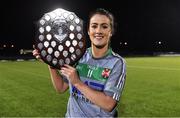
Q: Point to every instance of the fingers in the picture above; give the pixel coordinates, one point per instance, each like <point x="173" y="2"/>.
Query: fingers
<point x="38" y="57"/>
<point x="36" y="54"/>
<point x="67" y="70"/>
<point x="64" y="72"/>
<point x="70" y="73"/>
<point x="68" y="66"/>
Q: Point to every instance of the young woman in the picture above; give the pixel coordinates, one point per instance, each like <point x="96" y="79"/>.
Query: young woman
<point x="97" y="81"/>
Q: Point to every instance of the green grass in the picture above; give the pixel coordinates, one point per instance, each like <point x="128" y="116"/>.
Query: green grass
<point x="26" y="90"/>
<point x="152" y="89"/>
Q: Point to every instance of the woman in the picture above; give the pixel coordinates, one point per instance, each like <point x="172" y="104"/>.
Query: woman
<point x="97" y="81"/>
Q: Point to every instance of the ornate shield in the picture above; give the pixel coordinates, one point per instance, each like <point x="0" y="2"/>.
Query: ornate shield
<point x="60" y="39"/>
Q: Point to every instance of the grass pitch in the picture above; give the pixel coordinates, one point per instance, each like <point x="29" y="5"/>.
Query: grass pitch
<point x="26" y="90"/>
<point x="152" y="89"/>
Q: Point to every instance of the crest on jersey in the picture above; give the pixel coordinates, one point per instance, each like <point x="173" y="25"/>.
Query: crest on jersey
<point x="106" y="73"/>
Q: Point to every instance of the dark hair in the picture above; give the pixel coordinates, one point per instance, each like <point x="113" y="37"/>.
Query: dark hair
<point x="102" y="11"/>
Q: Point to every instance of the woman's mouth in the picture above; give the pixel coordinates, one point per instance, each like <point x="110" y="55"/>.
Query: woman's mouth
<point x="98" y="37"/>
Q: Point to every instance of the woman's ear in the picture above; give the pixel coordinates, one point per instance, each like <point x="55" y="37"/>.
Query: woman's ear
<point x="110" y="34"/>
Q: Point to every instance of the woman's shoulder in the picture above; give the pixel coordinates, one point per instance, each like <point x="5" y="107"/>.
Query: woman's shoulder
<point x="118" y="58"/>
<point x="117" y="55"/>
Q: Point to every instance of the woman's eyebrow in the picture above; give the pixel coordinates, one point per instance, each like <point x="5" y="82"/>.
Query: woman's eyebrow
<point x="94" y="23"/>
<point x="100" y="24"/>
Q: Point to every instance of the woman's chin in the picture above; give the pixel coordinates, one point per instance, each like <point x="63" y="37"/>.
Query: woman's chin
<point x="99" y="46"/>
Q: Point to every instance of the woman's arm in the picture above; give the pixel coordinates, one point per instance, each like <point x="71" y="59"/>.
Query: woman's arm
<point x="99" y="98"/>
<point x="57" y="81"/>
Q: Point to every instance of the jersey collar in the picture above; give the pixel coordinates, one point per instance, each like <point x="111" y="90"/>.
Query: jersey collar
<point x="109" y="52"/>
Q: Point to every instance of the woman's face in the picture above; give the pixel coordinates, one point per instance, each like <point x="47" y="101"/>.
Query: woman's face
<point x="99" y="30"/>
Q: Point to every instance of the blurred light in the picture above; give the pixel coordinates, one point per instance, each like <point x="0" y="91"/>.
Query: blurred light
<point x="21" y="51"/>
<point x="120" y="43"/>
<point x="25" y="51"/>
<point x="4" y="46"/>
<point x="159" y="42"/>
<point x="125" y="43"/>
<point x="12" y="46"/>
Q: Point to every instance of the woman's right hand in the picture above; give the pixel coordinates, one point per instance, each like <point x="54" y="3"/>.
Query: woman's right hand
<point x="36" y="55"/>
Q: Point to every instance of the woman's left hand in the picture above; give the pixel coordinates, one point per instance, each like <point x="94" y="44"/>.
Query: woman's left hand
<point x="70" y="73"/>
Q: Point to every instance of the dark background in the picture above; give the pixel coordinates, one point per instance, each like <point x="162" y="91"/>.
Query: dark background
<point x="142" y="26"/>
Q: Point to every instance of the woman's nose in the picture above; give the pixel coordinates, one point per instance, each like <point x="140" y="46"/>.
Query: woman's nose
<point x="98" y="30"/>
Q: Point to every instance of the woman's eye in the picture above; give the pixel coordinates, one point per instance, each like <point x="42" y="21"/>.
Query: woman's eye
<point x="93" y="26"/>
<point x="104" y="27"/>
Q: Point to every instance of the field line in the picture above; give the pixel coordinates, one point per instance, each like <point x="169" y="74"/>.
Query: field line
<point x="154" y="68"/>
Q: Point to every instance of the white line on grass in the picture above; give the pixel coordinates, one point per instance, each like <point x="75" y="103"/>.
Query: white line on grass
<point x="155" y="68"/>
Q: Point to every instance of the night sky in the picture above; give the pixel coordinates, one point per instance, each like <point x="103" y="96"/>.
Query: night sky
<point x="141" y="25"/>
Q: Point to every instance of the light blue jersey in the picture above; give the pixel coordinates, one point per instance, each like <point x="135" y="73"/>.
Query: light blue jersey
<point x="106" y="74"/>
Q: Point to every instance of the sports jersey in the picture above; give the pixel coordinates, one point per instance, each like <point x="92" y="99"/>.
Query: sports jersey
<point x="106" y="74"/>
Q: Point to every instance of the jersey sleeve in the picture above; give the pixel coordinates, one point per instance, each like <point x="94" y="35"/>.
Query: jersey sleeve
<point x="116" y="81"/>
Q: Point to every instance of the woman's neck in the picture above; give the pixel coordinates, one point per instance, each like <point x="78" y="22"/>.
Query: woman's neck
<point x="99" y="52"/>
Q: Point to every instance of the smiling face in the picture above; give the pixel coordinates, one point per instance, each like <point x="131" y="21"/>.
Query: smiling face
<point x="100" y="30"/>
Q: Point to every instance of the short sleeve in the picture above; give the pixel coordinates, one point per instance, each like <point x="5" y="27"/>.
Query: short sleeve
<point x="116" y="81"/>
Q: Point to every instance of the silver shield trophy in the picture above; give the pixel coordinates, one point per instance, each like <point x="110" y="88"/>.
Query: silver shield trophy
<point x="60" y="39"/>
